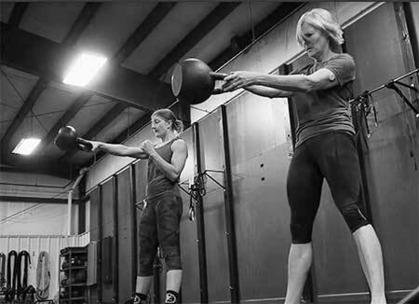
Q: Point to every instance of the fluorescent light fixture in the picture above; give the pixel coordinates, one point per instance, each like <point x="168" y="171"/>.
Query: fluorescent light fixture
<point x="83" y="69"/>
<point x="26" y="146"/>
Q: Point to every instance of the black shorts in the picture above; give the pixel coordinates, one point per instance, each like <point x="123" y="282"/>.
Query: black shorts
<point x="333" y="156"/>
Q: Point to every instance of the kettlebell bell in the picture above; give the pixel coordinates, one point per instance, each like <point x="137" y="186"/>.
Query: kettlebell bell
<point x="193" y="81"/>
<point x="67" y="140"/>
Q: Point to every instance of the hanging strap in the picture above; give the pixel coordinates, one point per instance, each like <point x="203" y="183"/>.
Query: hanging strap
<point x="42" y="276"/>
<point x="22" y="283"/>
<point x="11" y="275"/>
<point x="2" y="269"/>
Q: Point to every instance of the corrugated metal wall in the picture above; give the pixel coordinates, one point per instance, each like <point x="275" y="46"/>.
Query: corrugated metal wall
<point x="35" y="244"/>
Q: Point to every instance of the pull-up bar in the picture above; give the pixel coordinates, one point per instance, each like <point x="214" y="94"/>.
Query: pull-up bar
<point x="392" y="85"/>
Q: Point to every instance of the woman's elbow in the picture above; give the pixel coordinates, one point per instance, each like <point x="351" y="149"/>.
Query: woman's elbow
<point x="308" y="85"/>
<point x="174" y="176"/>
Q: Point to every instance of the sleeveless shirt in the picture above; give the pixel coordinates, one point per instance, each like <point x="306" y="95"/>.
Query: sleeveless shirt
<point x="157" y="181"/>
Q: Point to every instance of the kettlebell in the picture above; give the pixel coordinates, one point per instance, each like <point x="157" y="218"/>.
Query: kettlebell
<point x="193" y="81"/>
<point x="67" y="140"/>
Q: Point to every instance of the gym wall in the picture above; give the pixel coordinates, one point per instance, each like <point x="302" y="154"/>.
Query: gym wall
<point x="391" y="156"/>
<point x="20" y="216"/>
<point x="261" y="148"/>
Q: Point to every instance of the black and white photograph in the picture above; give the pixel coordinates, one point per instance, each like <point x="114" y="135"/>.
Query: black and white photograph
<point x="199" y="151"/>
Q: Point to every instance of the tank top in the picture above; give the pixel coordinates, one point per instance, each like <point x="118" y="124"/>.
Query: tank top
<point x="157" y="181"/>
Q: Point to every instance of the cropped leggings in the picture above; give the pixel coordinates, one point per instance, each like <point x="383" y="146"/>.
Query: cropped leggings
<point x="159" y="226"/>
<point x="332" y="156"/>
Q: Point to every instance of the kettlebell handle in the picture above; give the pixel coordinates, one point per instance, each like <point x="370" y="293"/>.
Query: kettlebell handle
<point x="218" y="76"/>
<point x="84" y="143"/>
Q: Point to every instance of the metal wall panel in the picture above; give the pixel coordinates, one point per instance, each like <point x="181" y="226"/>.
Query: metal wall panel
<point x="212" y="159"/>
<point x="414" y="7"/>
<point x="257" y="124"/>
<point x="260" y="144"/>
<point x="108" y="230"/>
<point x="125" y="236"/>
<point x="141" y="179"/>
<point x="188" y="234"/>
<point x="393" y="182"/>
<point x="140" y="189"/>
<point x="95" y="234"/>
<point x="94" y="214"/>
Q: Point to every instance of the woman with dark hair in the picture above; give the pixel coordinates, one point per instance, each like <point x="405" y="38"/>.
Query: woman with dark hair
<point x="160" y="220"/>
<point x="325" y="147"/>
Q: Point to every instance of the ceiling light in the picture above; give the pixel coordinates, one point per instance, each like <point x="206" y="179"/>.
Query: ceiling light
<point x="26" y="146"/>
<point x="83" y="69"/>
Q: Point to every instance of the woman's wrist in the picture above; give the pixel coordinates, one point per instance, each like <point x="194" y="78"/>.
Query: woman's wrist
<point x="152" y="154"/>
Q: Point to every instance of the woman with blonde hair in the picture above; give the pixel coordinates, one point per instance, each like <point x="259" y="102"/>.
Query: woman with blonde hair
<point x="325" y="147"/>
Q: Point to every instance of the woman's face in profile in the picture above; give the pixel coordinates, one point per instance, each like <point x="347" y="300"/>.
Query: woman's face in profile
<point x="315" y="42"/>
<point x="159" y="126"/>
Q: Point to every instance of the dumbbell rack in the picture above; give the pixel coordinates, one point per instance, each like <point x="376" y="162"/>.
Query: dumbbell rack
<point x="73" y="289"/>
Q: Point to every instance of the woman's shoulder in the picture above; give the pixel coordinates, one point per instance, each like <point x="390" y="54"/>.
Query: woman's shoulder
<point x="177" y="143"/>
<point x="342" y="56"/>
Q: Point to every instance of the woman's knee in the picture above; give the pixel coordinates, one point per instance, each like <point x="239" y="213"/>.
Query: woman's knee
<point x="354" y="217"/>
<point x="172" y="258"/>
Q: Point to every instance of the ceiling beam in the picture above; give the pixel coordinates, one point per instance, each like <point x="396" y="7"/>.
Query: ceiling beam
<point x="145" y="28"/>
<point x="38" y="165"/>
<point x="31" y="199"/>
<point x="105" y="120"/>
<point x="39" y="56"/>
<point x="18" y="11"/>
<point x="204" y="27"/>
<point x="83" y="19"/>
<point x="278" y="15"/>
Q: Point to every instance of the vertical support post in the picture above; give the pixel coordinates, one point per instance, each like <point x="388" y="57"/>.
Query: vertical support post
<point x="99" y="247"/>
<point x="134" y="259"/>
<point x="410" y="17"/>
<point x="203" y="278"/>
<point x="69" y="207"/>
<point x="404" y="36"/>
<point x="115" y="247"/>
<point x="82" y="205"/>
<point x="229" y="213"/>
